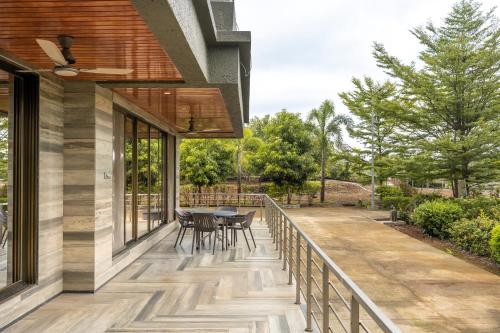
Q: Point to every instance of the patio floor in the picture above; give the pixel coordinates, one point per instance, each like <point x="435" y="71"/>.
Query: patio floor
<point x="168" y="290"/>
<point x="421" y="288"/>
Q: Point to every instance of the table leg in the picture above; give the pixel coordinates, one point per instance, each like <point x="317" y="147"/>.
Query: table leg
<point x="223" y="237"/>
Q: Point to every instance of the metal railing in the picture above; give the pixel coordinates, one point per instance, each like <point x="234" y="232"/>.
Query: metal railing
<point x="291" y="242"/>
<point x="191" y="199"/>
<point x="313" y="270"/>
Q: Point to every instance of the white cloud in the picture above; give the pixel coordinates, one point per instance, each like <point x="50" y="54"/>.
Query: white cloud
<point x="306" y="51"/>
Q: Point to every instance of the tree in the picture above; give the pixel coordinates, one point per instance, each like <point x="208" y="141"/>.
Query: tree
<point x="375" y="105"/>
<point x="257" y="125"/>
<point x="284" y="157"/>
<point x="453" y="99"/>
<point x="206" y="162"/>
<point x="327" y="128"/>
<point x="245" y="147"/>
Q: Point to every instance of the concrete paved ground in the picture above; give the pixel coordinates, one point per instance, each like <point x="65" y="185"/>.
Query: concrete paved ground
<point x="421" y="288"/>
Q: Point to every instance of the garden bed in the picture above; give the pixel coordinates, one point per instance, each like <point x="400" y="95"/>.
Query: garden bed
<point x="448" y="247"/>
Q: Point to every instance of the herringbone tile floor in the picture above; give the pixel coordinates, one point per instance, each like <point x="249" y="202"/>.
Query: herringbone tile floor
<point x="168" y="290"/>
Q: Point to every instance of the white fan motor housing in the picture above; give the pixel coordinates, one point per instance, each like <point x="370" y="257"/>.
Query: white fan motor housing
<point x="66" y="71"/>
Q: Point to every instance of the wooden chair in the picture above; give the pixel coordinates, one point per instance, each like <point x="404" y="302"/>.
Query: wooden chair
<point x="204" y="222"/>
<point x="241" y="222"/>
<point x="186" y="221"/>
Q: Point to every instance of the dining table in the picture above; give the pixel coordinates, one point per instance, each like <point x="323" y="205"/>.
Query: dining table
<point x="222" y="215"/>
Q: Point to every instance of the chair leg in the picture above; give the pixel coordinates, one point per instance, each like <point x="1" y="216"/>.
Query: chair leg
<point x="253" y="239"/>
<point x="2" y="241"/>
<point x="183" y="233"/>
<point x="192" y="245"/>
<point x="215" y="242"/>
<point x="178" y="235"/>
<point x="246" y="239"/>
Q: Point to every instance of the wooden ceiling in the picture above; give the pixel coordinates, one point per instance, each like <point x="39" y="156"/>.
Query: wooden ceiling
<point x="107" y="34"/>
<point x="111" y="33"/>
<point x="176" y="107"/>
<point x="4" y="92"/>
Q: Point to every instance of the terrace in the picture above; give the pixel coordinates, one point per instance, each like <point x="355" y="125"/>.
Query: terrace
<point x="167" y="289"/>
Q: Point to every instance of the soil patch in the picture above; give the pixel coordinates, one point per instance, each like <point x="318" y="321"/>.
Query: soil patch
<point x="448" y="247"/>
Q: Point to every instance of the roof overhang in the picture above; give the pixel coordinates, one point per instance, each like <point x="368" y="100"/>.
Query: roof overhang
<point x="173" y="44"/>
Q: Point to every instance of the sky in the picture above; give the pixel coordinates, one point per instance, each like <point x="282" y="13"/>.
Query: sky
<point x="306" y="51"/>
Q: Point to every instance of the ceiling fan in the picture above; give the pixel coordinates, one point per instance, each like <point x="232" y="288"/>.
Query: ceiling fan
<point x="191" y="130"/>
<point x="63" y="59"/>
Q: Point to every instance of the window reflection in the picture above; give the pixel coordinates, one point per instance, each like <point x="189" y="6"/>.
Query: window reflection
<point x="6" y="97"/>
<point x="142" y="178"/>
<point x="129" y="145"/>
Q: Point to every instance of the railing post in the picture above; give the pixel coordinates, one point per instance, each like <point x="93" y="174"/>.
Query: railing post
<point x="297" y="271"/>
<point x="326" y="299"/>
<point x="308" y="289"/>
<point x="260" y="202"/>
<point x="354" y="315"/>
<point x="285" y="243"/>
<point x="279" y="244"/>
<point x="290" y="254"/>
<point x="275" y="234"/>
<point x="272" y="224"/>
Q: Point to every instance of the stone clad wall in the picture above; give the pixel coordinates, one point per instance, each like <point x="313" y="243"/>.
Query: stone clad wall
<point x="104" y="185"/>
<point x="79" y="186"/>
<point x="88" y="137"/>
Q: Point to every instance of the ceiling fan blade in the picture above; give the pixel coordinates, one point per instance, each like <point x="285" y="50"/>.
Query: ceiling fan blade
<point x="208" y="130"/>
<point x="52" y="51"/>
<point x="34" y="70"/>
<point x="111" y="71"/>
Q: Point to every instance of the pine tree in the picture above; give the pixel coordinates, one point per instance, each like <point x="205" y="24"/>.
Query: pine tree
<point x="453" y="98"/>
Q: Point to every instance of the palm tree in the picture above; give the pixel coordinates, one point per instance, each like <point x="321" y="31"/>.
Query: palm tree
<point x="327" y="127"/>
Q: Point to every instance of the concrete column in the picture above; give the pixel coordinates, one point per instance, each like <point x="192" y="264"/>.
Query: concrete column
<point x="87" y="186"/>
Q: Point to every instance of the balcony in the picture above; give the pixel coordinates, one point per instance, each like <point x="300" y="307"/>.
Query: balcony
<point x="286" y="284"/>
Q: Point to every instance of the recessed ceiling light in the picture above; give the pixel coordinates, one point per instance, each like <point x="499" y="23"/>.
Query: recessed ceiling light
<point x="167" y="93"/>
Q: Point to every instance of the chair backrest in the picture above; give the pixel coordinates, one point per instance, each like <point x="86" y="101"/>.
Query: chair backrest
<point x="205" y="222"/>
<point x="249" y="218"/>
<point x="228" y="208"/>
<point x="236" y="219"/>
<point x="183" y="216"/>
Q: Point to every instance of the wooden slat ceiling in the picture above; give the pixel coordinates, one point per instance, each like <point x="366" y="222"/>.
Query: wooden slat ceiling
<point x="111" y="34"/>
<point x="4" y="92"/>
<point x="107" y="34"/>
<point x="176" y="106"/>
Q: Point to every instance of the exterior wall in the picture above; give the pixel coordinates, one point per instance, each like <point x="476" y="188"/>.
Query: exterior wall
<point x="50" y="242"/>
<point x="75" y="196"/>
<point x="88" y="190"/>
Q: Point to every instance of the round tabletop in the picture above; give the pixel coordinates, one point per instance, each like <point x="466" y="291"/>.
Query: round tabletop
<point x="217" y="213"/>
<point x="225" y="213"/>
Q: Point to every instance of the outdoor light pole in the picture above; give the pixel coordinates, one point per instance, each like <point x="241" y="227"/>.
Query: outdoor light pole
<point x="372" y="201"/>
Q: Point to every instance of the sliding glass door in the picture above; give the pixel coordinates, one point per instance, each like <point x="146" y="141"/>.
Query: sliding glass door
<point x="6" y="248"/>
<point x="139" y="179"/>
<point x="143" y="199"/>
<point x="18" y="180"/>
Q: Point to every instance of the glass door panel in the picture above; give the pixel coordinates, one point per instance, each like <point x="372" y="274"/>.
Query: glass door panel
<point x="142" y="178"/>
<point x="129" y="178"/>
<point x="6" y="163"/>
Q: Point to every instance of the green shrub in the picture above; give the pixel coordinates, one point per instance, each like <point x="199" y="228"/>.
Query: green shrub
<point x="388" y="191"/>
<point x="473" y="207"/>
<point x="399" y="202"/>
<point x="404" y="216"/>
<point x="495" y="243"/>
<point x="311" y="189"/>
<point x="436" y="217"/>
<point x="473" y="234"/>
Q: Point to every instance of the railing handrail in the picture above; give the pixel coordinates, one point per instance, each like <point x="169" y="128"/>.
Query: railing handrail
<point x="364" y="301"/>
